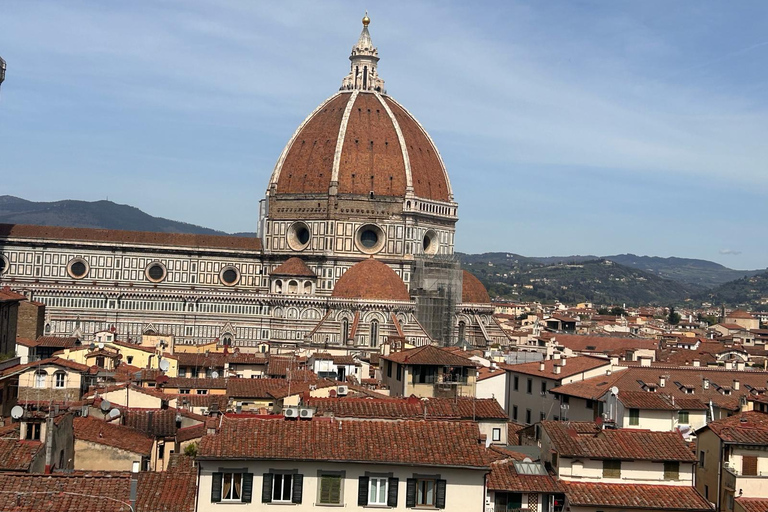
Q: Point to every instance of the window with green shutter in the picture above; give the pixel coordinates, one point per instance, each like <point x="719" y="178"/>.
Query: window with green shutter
<point x="611" y="469"/>
<point x="634" y="416"/>
<point x="330" y="487"/>
<point x="672" y="470"/>
<point x="683" y="418"/>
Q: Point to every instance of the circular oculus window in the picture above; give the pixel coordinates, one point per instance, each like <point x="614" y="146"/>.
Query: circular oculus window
<point x="155" y="272"/>
<point x="3" y="264"/>
<point x="370" y="238"/>
<point x="429" y="243"/>
<point x="78" y="268"/>
<point x="230" y="276"/>
<point x="298" y="236"/>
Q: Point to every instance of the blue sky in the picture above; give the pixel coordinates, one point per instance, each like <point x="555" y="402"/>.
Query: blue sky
<point x="567" y="127"/>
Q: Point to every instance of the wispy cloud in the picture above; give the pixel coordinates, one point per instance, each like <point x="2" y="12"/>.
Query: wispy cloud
<point x="729" y="252"/>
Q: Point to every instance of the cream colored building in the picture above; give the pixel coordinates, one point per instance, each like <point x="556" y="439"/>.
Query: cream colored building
<point x="428" y="372"/>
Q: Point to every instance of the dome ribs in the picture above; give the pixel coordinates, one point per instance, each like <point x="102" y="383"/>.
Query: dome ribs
<point x="430" y="180"/>
<point x="308" y="164"/>
<point x="370" y="161"/>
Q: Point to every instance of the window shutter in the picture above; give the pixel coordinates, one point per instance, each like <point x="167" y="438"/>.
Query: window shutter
<point x="216" y="487"/>
<point x="440" y="494"/>
<point x="334" y="483"/>
<point x="325" y="490"/>
<point x="247" y="487"/>
<point x="362" y="491"/>
<point x="749" y="465"/>
<point x="392" y="492"/>
<point x="266" y="488"/>
<point x="410" y="493"/>
<point x="298" y="487"/>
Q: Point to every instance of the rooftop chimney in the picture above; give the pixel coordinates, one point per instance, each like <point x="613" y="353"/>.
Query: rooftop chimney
<point x="740" y="366"/>
<point x="706" y="383"/>
<point x="735" y="385"/>
<point x="557" y="369"/>
<point x="662" y="381"/>
<point x="696" y="363"/>
<point x="541" y="366"/>
<point x="645" y="361"/>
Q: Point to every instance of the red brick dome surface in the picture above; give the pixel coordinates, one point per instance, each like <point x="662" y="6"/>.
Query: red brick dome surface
<point x="373" y="280"/>
<point x="293" y="267"/>
<point x="473" y="291"/>
<point x="381" y="148"/>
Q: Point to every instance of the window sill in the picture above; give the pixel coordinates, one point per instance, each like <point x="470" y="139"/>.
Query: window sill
<point x="329" y="504"/>
<point x="378" y="506"/>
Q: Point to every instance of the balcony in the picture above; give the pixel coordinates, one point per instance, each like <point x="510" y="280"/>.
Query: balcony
<point x="754" y="486"/>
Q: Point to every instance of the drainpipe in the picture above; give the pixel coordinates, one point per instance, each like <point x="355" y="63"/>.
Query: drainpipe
<point x="134" y="483"/>
<point x="49" y="444"/>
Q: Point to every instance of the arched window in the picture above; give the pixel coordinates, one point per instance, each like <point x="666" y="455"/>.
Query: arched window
<point x="226" y="340"/>
<point x="462" y="331"/>
<point x="293" y="287"/>
<point x="374" y="333"/>
<point x="40" y="377"/>
<point x="307" y="287"/>
<point x="278" y="286"/>
<point x="344" y="330"/>
<point x="59" y="379"/>
<point x="365" y="78"/>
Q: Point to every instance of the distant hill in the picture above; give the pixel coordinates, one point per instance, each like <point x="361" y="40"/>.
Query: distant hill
<point x="686" y="270"/>
<point x="748" y="292"/>
<point x="95" y="214"/>
<point x="598" y="280"/>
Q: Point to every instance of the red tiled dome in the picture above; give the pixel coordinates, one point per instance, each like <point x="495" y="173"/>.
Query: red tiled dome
<point x="373" y="280"/>
<point x="370" y="130"/>
<point x="473" y="291"/>
<point x="293" y="267"/>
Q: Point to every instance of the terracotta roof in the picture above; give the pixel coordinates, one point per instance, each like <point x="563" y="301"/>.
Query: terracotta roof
<point x="636" y="496"/>
<point x="513" y="432"/>
<point x="428" y="355"/>
<point x="371" y="158"/>
<point x="56" y="341"/>
<point x="648" y="401"/>
<point x="193" y="383"/>
<point x="190" y="433"/>
<point x="573" y="366"/>
<point x="371" y="279"/>
<point x="486" y="372"/>
<point x="604" y="344"/>
<point x="61" y="492"/>
<point x="419" y="443"/>
<point x="56" y="361"/>
<point x="279" y="366"/>
<point x="465" y="408"/>
<point x="218" y="359"/>
<point x="172" y="490"/>
<point x="8" y="295"/>
<point x="753" y="504"/>
<point x="116" y="236"/>
<point x="293" y="267"/>
<point x="472" y="290"/>
<point x="586" y="439"/>
<point x="17" y="455"/>
<point x="111" y="434"/>
<point x="733" y="327"/>
<point x="504" y="477"/>
<point x="155" y="422"/>
<point x="746" y="428"/>
<point x="740" y="313"/>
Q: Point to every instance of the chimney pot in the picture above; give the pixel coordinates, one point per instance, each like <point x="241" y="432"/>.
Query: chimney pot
<point x="696" y="363"/>
<point x="541" y="366"/>
<point x="735" y="385"/>
<point x="557" y="370"/>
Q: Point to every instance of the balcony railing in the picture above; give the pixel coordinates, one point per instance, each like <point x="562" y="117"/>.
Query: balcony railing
<point x="731" y="473"/>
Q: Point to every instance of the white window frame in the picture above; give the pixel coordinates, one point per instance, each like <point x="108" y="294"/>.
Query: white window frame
<point x="232" y="476"/>
<point x="282" y="477"/>
<point x="40" y="377"/>
<point x="496" y="434"/>
<point x="59" y="376"/>
<point x="381" y="480"/>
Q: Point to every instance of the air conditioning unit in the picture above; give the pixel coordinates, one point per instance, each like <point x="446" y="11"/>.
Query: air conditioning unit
<point x="306" y="412"/>
<point x="342" y="390"/>
<point x="291" y="412"/>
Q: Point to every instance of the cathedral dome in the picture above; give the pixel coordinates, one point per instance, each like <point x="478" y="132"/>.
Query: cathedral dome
<point x="360" y="142"/>
<point x="472" y="290"/>
<point x="371" y="280"/>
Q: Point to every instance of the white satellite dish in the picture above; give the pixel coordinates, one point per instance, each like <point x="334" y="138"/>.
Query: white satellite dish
<point x="105" y="405"/>
<point x="215" y="375"/>
<point x="614" y="390"/>
<point x="17" y="412"/>
<point x="114" y="413"/>
<point x="101" y="344"/>
<point x="164" y="365"/>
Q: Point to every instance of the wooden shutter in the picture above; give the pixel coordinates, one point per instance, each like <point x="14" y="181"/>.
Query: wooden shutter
<point x="410" y="493"/>
<point x="334" y="482"/>
<point x="392" y="492"/>
<point x="440" y="494"/>
<point x="298" y="487"/>
<point x="671" y="471"/>
<point x="216" y="487"/>
<point x="247" y="496"/>
<point x="266" y="488"/>
<point x="362" y="491"/>
<point x="749" y="465"/>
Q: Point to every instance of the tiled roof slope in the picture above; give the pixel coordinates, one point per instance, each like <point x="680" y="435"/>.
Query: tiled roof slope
<point x="745" y="428"/>
<point x="428" y="355"/>
<point x="102" y="492"/>
<point x="410" y="408"/>
<point x="632" y="496"/>
<point x="116" y="236"/>
<point x="16" y="455"/>
<point x="573" y="366"/>
<point x="472" y="290"/>
<point x="603" y="344"/>
<point x="504" y="477"/>
<point x="56" y="361"/>
<point x="753" y="504"/>
<point x="8" y="295"/>
<point x="109" y="434"/>
<point x="586" y="439"/>
<point x="173" y="490"/>
<point x="371" y="279"/>
<point x="423" y="443"/>
<point x="632" y="379"/>
<point x="293" y="267"/>
<point x="658" y="401"/>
